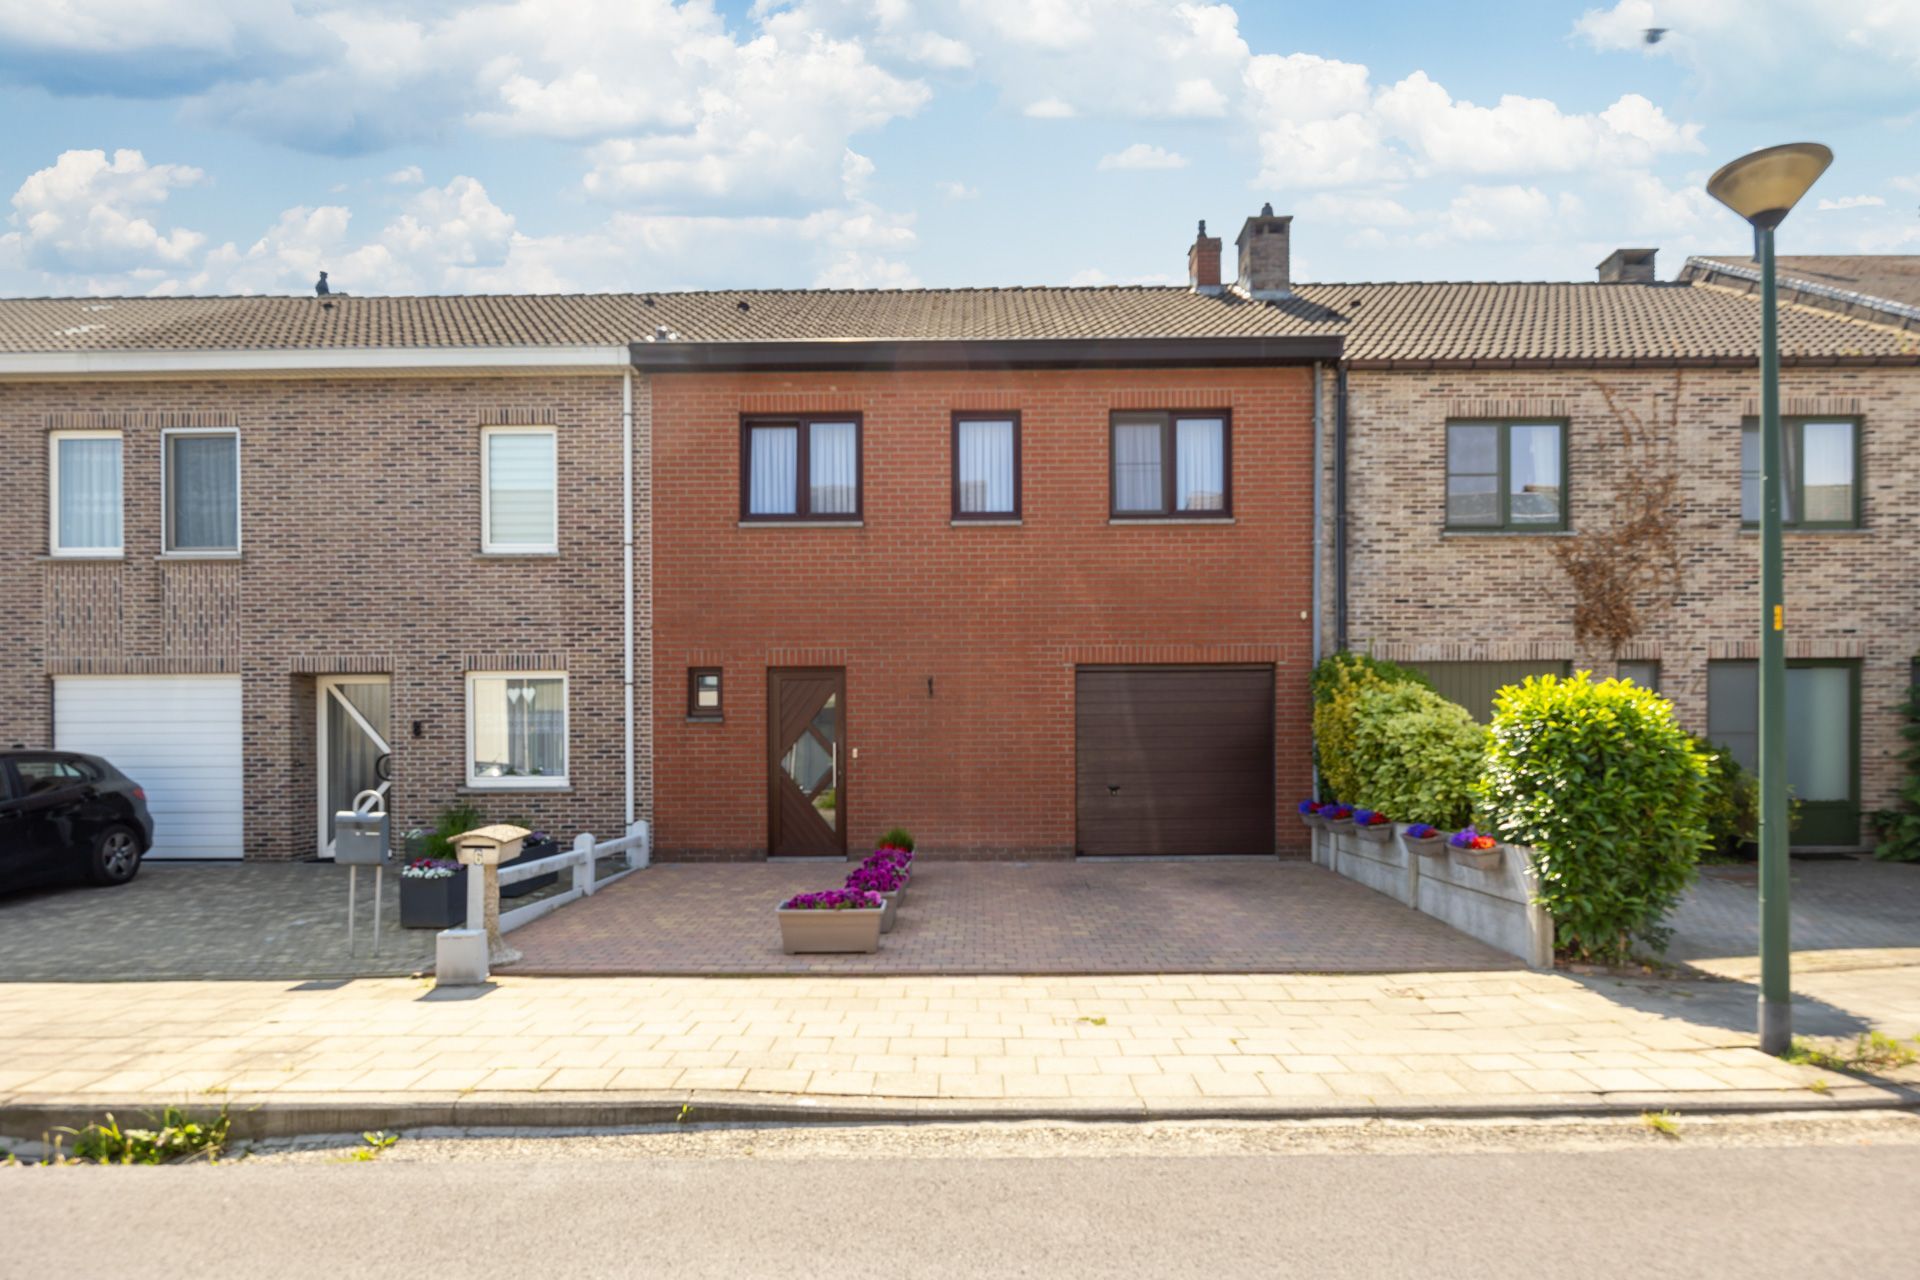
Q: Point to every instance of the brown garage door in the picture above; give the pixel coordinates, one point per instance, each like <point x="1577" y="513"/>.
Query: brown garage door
<point x="1174" y="760"/>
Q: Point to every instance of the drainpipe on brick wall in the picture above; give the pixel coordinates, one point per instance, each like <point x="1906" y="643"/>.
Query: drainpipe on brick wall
<point x="626" y="569"/>
<point x="1340" y="506"/>
<point x="1319" y="482"/>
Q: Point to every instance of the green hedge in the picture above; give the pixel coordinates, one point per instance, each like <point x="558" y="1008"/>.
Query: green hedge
<point x="1417" y="755"/>
<point x="1610" y="793"/>
<point x="1337" y="683"/>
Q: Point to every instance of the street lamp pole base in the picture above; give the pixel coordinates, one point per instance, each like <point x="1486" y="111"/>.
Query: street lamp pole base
<point x="1776" y="1026"/>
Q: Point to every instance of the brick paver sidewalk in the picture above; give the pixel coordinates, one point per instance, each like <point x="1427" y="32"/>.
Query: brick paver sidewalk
<point x="1139" y="1044"/>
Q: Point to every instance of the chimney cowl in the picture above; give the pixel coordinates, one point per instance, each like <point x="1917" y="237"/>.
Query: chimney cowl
<point x="1266" y="265"/>
<point x="1628" y="266"/>
<point x="1203" y="262"/>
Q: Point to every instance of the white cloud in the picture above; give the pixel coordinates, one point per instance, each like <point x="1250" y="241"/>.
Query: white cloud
<point x="411" y="176"/>
<point x="957" y="191"/>
<point x="87" y="215"/>
<point x="1906" y="184"/>
<point x="1143" y="155"/>
<point x="1765" y="53"/>
<point x="1850" y="202"/>
<point x="1048" y="109"/>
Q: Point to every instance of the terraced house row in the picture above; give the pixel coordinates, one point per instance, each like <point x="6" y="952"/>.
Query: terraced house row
<point x="1036" y="572"/>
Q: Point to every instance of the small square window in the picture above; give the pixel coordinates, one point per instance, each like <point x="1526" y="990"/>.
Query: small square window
<point x="1506" y="476"/>
<point x="516" y="729"/>
<point x="1818" y="487"/>
<point x="1171" y="465"/>
<point x="703" y="693"/>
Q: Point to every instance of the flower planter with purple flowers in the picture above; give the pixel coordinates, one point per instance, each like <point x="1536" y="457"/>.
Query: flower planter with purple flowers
<point x="886" y="878"/>
<point x="1310" y="813"/>
<point x="1471" y="849"/>
<point x="1371" y="826"/>
<point x="1426" y="840"/>
<point x="1337" y="817"/>
<point x="835" y="921"/>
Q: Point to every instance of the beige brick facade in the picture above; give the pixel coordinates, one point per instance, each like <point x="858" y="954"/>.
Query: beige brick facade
<point x="360" y="553"/>
<point x="1418" y="592"/>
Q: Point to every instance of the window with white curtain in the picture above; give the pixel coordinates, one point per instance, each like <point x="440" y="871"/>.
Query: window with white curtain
<point x="801" y="469"/>
<point x="519" y="475"/>
<point x="1818" y="489"/>
<point x="84" y="471"/>
<point x="201" y="477"/>
<point x="986" y="466"/>
<point x="1171" y="464"/>
<point x="516" y="729"/>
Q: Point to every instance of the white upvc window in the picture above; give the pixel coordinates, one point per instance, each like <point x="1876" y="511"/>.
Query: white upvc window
<point x="516" y="729"/>
<point x="83" y="472"/>
<point x="200" y="491"/>
<point x="520" y="501"/>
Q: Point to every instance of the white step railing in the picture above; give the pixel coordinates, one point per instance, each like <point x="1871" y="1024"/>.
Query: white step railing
<point x="581" y="860"/>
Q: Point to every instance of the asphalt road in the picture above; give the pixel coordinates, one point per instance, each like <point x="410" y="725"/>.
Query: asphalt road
<point x="1160" y="1201"/>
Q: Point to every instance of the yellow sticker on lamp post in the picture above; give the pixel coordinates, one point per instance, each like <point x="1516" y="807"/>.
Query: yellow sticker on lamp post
<point x="1779" y="617"/>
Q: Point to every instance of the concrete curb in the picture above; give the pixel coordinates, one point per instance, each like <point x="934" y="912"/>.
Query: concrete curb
<point x="284" y="1116"/>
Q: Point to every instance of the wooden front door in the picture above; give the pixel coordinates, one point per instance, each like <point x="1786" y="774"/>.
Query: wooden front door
<point x="806" y="762"/>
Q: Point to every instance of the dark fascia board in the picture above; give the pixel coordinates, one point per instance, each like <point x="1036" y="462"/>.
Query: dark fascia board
<point x="989" y="353"/>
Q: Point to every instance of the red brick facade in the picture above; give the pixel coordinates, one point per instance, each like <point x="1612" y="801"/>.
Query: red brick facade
<point x="979" y="763"/>
<point x="360" y="553"/>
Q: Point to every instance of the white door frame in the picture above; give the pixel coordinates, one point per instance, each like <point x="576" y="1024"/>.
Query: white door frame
<point x="327" y="687"/>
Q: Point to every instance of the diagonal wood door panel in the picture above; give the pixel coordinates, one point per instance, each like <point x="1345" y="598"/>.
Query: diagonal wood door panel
<point x="806" y="762"/>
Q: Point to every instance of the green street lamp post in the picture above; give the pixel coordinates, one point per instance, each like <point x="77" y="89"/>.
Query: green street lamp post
<point x="1763" y="188"/>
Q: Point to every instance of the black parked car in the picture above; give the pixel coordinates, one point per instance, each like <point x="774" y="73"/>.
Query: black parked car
<point x="64" y="815"/>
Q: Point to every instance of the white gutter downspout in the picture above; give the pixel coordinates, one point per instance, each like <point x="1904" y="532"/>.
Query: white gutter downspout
<point x="626" y="568"/>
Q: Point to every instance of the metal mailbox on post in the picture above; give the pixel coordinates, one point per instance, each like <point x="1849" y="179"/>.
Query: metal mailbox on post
<point x="360" y="840"/>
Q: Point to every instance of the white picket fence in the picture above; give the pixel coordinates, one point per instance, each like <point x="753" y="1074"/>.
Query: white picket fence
<point x="581" y="861"/>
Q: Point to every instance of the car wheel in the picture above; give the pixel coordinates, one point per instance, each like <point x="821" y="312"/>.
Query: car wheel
<point x="116" y="856"/>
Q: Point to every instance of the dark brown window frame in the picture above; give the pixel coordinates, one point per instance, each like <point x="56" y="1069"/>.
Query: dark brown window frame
<point x="694" y="710"/>
<point x="1169" y="454"/>
<point x="802" y="497"/>
<point x="984" y="415"/>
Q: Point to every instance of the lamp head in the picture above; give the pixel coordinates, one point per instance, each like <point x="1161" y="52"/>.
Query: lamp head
<point x="1764" y="186"/>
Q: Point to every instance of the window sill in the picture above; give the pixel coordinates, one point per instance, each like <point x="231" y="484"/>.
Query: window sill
<point x="1817" y="531"/>
<point x="1506" y="533"/>
<point x="82" y="557"/>
<point x="517" y="788"/>
<point x="516" y="555"/>
<point x="188" y="557"/>
<point x="706" y="720"/>
<point x="1153" y="520"/>
<point x="803" y="524"/>
<point x="997" y="522"/>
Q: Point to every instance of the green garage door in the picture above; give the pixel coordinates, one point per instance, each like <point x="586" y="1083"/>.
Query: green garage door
<point x="1473" y="684"/>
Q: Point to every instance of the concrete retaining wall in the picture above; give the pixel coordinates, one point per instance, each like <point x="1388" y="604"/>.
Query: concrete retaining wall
<point x="1494" y="906"/>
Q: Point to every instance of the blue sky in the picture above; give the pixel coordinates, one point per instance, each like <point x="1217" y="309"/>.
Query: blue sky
<point x="222" y="146"/>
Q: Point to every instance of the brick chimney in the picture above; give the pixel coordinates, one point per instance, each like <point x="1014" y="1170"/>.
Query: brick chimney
<point x="1628" y="266"/>
<point x="1203" y="262"/>
<point x="1265" y="255"/>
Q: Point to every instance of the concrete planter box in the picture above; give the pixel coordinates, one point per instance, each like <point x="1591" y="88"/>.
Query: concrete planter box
<point x="1379" y="834"/>
<point x="1311" y="821"/>
<point x="890" y="914"/>
<point x="1479" y="859"/>
<point x="1337" y="825"/>
<point x="1434" y="846"/>
<point x="434" y="904"/>
<point x="830" y="932"/>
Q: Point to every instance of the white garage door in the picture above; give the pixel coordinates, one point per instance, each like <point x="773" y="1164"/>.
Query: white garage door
<point x="178" y="737"/>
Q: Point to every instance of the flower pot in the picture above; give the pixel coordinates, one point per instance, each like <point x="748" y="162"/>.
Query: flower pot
<point x="1434" y="846"/>
<point x="830" y="932"/>
<point x="434" y="904"/>
<point x="1379" y="833"/>
<point x="1311" y="820"/>
<point x="1337" y="824"/>
<point x="1479" y="859"/>
<point x="531" y="852"/>
<point x="890" y="914"/>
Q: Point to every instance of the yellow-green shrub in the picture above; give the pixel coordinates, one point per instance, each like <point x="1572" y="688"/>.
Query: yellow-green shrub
<point x="1337" y="683"/>
<point x="1416" y="754"/>
<point x="1609" y="791"/>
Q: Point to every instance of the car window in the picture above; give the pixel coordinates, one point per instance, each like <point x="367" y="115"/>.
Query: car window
<point x="45" y="774"/>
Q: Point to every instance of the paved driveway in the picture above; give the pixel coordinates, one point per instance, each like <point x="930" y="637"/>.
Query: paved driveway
<point x="1229" y="915"/>
<point x="1847" y="913"/>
